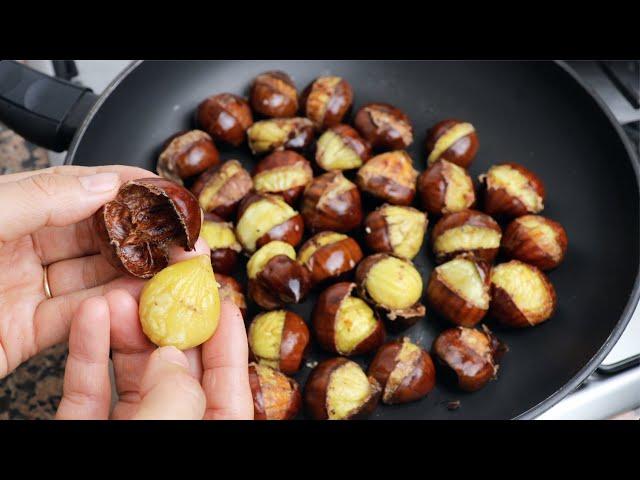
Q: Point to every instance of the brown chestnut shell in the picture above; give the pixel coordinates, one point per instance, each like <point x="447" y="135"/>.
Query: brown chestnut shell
<point x="281" y="281"/>
<point x="389" y="176"/>
<point x="378" y="232"/>
<point x="332" y="261"/>
<point x="282" y="160"/>
<point x="186" y="154"/>
<point x="236" y="184"/>
<point x="280" y="401"/>
<point x="223" y="260"/>
<point x="225" y="117"/>
<point x="274" y="94"/>
<point x="384" y="126"/>
<point x="351" y="139"/>
<point x="530" y="245"/>
<point x="433" y="187"/>
<point x="462" y="149"/>
<point x="326" y="100"/>
<point x="499" y="203"/>
<point x="275" y="134"/>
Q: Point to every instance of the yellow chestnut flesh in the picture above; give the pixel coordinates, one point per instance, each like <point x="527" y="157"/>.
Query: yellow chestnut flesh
<point x="321" y="241"/>
<point x="542" y="234"/>
<point x="462" y="276"/>
<point x="260" y="217"/>
<point x="516" y="185"/>
<point x="525" y="286"/>
<point x="459" y="194"/>
<point x="394" y="283"/>
<point x="265" y="336"/>
<point x="348" y="390"/>
<point x="466" y="237"/>
<point x="207" y="197"/>
<point x="355" y="322"/>
<point x="259" y="259"/>
<point x="331" y="145"/>
<point x="406" y="228"/>
<point x="406" y="360"/>
<point x="283" y="178"/>
<point x="450" y="137"/>
<point x="219" y="235"/>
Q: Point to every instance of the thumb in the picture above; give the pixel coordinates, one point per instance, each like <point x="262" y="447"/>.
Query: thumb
<point x="51" y="199"/>
<point x="168" y="391"/>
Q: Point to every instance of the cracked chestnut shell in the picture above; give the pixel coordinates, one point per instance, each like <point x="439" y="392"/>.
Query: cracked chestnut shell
<point x="384" y="126"/>
<point x="222" y="241"/>
<point x="285" y="173"/>
<point x="230" y="289"/>
<point x="342" y="148"/>
<point x="445" y="187"/>
<point x="452" y="140"/>
<point x="266" y="136"/>
<point x="469" y="356"/>
<point x="187" y="154"/>
<point x="510" y="190"/>
<point x="225" y="117"/>
<point x="404" y="370"/>
<point x="338" y="389"/>
<point x="395" y="229"/>
<point x="345" y="324"/>
<point x="329" y="255"/>
<point x="331" y="202"/>
<point x="275" y="396"/>
<point x="326" y="101"/>
<point x="273" y="94"/>
<point x="536" y="240"/>
<point x="137" y="227"/>
<point x="390" y="177"/>
<point x="220" y="189"/>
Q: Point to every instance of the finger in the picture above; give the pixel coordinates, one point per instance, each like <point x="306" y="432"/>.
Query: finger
<point x="87" y="388"/>
<point x="168" y="391"/>
<point x="53" y="244"/>
<point x="178" y="254"/>
<point x="126" y="172"/>
<point x="225" y="361"/>
<point x="68" y="276"/>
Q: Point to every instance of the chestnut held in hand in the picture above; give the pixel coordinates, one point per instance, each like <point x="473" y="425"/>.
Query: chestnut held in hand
<point x="338" y="389"/>
<point x="452" y="140"/>
<point x="445" y="187"/>
<point x="389" y="176"/>
<point x="345" y="324"/>
<point x="222" y="241"/>
<point x="275" y="396"/>
<point x="326" y="101"/>
<point x="230" y="289"/>
<point x="342" y="148"/>
<point x="384" y="126"/>
<point x="329" y="255"/>
<point x="280" y="134"/>
<point x="284" y="173"/>
<point x="536" y="240"/>
<point x="137" y="227"/>
<point x="273" y="94"/>
<point x="225" y="117"/>
<point x="186" y="154"/>
<point x="510" y="190"/>
<point x="395" y="229"/>
<point x="220" y="189"/>
<point x="471" y="356"/>
<point x="404" y="370"/>
<point x="279" y="339"/>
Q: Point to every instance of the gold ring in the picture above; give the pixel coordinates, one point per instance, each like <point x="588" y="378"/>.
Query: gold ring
<point x="47" y="289"/>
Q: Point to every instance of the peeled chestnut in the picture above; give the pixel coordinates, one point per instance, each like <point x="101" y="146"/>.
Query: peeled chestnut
<point x="331" y="202"/>
<point x="220" y="189"/>
<point x="510" y="190"/>
<point x="445" y="187"/>
<point x="452" y="140"/>
<point x="326" y="101"/>
<point x="468" y="231"/>
<point x="389" y="176"/>
<point x="186" y="154"/>
<point x="285" y="173"/>
<point x="230" y="289"/>
<point x="459" y="290"/>
<point x="338" y="389"/>
<point x="469" y="355"/>
<point x="225" y="117"/>
<point x="521" y="295"/>
<point x="263" y="218"/>
<point x="222" y="241"/>
<point x="329" y="255"/>
<point x="137" y="227"/>
<point x="384" y="126"/>
<point x="280" y="134"/>
<point x="404" y="370"/>
<point x="279" y="339"/>
<point x="342" y="148"/>
<point x="345" y="324"/>
<point x="275" y="396"/>
<point x="536" y="240"/>
<point x="275" y="277"/>
<point x="393" y="285"/>
<point x="395" y="229"/>
<point x="273" y="94"/>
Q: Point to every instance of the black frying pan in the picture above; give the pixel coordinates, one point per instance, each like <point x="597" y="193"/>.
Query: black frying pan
<point x="535" y="113"/>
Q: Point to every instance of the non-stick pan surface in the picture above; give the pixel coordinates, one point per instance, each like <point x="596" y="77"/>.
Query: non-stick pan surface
<point x="533" y="113"/>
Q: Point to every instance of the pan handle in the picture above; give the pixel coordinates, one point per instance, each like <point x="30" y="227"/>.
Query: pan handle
<point x="45" y="110"/>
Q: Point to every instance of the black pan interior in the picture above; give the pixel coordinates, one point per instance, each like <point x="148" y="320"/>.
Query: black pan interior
<point x="533" y="113"/>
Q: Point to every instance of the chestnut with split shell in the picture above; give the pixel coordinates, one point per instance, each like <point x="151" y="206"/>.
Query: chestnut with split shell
<point x="284" y="173"/>
<point x="225" y="117"/>
<point x="384" y="126"/>
<point x="445" y="187"/>
<point x="395" y="229"/>
<point x="187" y="154"/>
<point x="536" y="240"/>
<point x="390" y="177"/>
<point x="329" y="255"/>
<point x="221" y="238"/>
<point x="342" y="148"/>
<point x="275" y="396"/>
<point x="326" y="101"/>
<point x="220" y="189"/>
<point x="230" y="289"/>
<point x="267" y="136"/>
<point x="510" y="190"/>
<point x="452" y="140"/>
<point x="273" y="94"/>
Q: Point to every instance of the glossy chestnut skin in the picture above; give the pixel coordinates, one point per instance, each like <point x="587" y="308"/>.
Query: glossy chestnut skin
<point x="275" y="396"/>
<point x="223" y="260"/>
<point x="460" y="145"/>
<point x="225" y="117"/>
<point x="469" y="355"/>
<point x="331" y="261"/>
<point x="384" y="126"/>
<point x="390" y="177"/>
<point x="274" y="134"/>
<point x="281" y="161"/>
<point x="499" y="203"/>
<point x="417" y="374"/>
<point x="137" y="227"/>
<point x="273" y="94"/>
<point x="230" y="289"/>
<point x="322" y="209"/>
<point x="379" y="232"/>
<point x="542" y="248"/>
<point x="236" y="185"/>
<point x="326" y="101"/>
<point x="324" y="318"/>
<point x="435" y="185"/>
<point x="350" y="139"/>
<point x="186" y="154"/>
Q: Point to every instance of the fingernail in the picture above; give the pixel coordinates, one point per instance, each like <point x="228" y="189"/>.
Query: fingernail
<point x="173" y="355"/>
<point x="100" y="182"/>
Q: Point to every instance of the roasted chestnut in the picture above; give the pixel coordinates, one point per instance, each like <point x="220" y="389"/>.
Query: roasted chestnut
<point x="384" y="126"/>
<point x="404" y="370"/>
<point x="220" y="189"/>
<point x="536" y="240"/>
<point x="445" y="187"/>
<point x="394" y="229"/>
<point x="468" y="231"/>
<point x="275" y="277"/>
<point x="510" y="190"/>
<point x="338" y="389"/>
<point x="331" y="202"/>
<point x="186" y="154"/>
<point x="137" y="227"/>
<point x="225" y="117"/>
<point x="452" y="140"/>
<point x="469" y="355"/>
<point x="273" y="94"/>
<point x="459" y="290"/>
<point x="222" y="241"/>
<point x="230" y="289"/>
<point x="275" y="396"/>
<point x="329" y="255"/>
<point x="389" y="176"/>
<point x="393" y="285"/>
<point x="521" y="295"/>
<point x="342" y="148"/>
<point x="279" y="339"/>
<point x="285" y="173"/>
<point x="263" y="218"/>
<point x="326" y="101"/>
<point x="345" y="324"/>
<point x="280" y="134"/>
